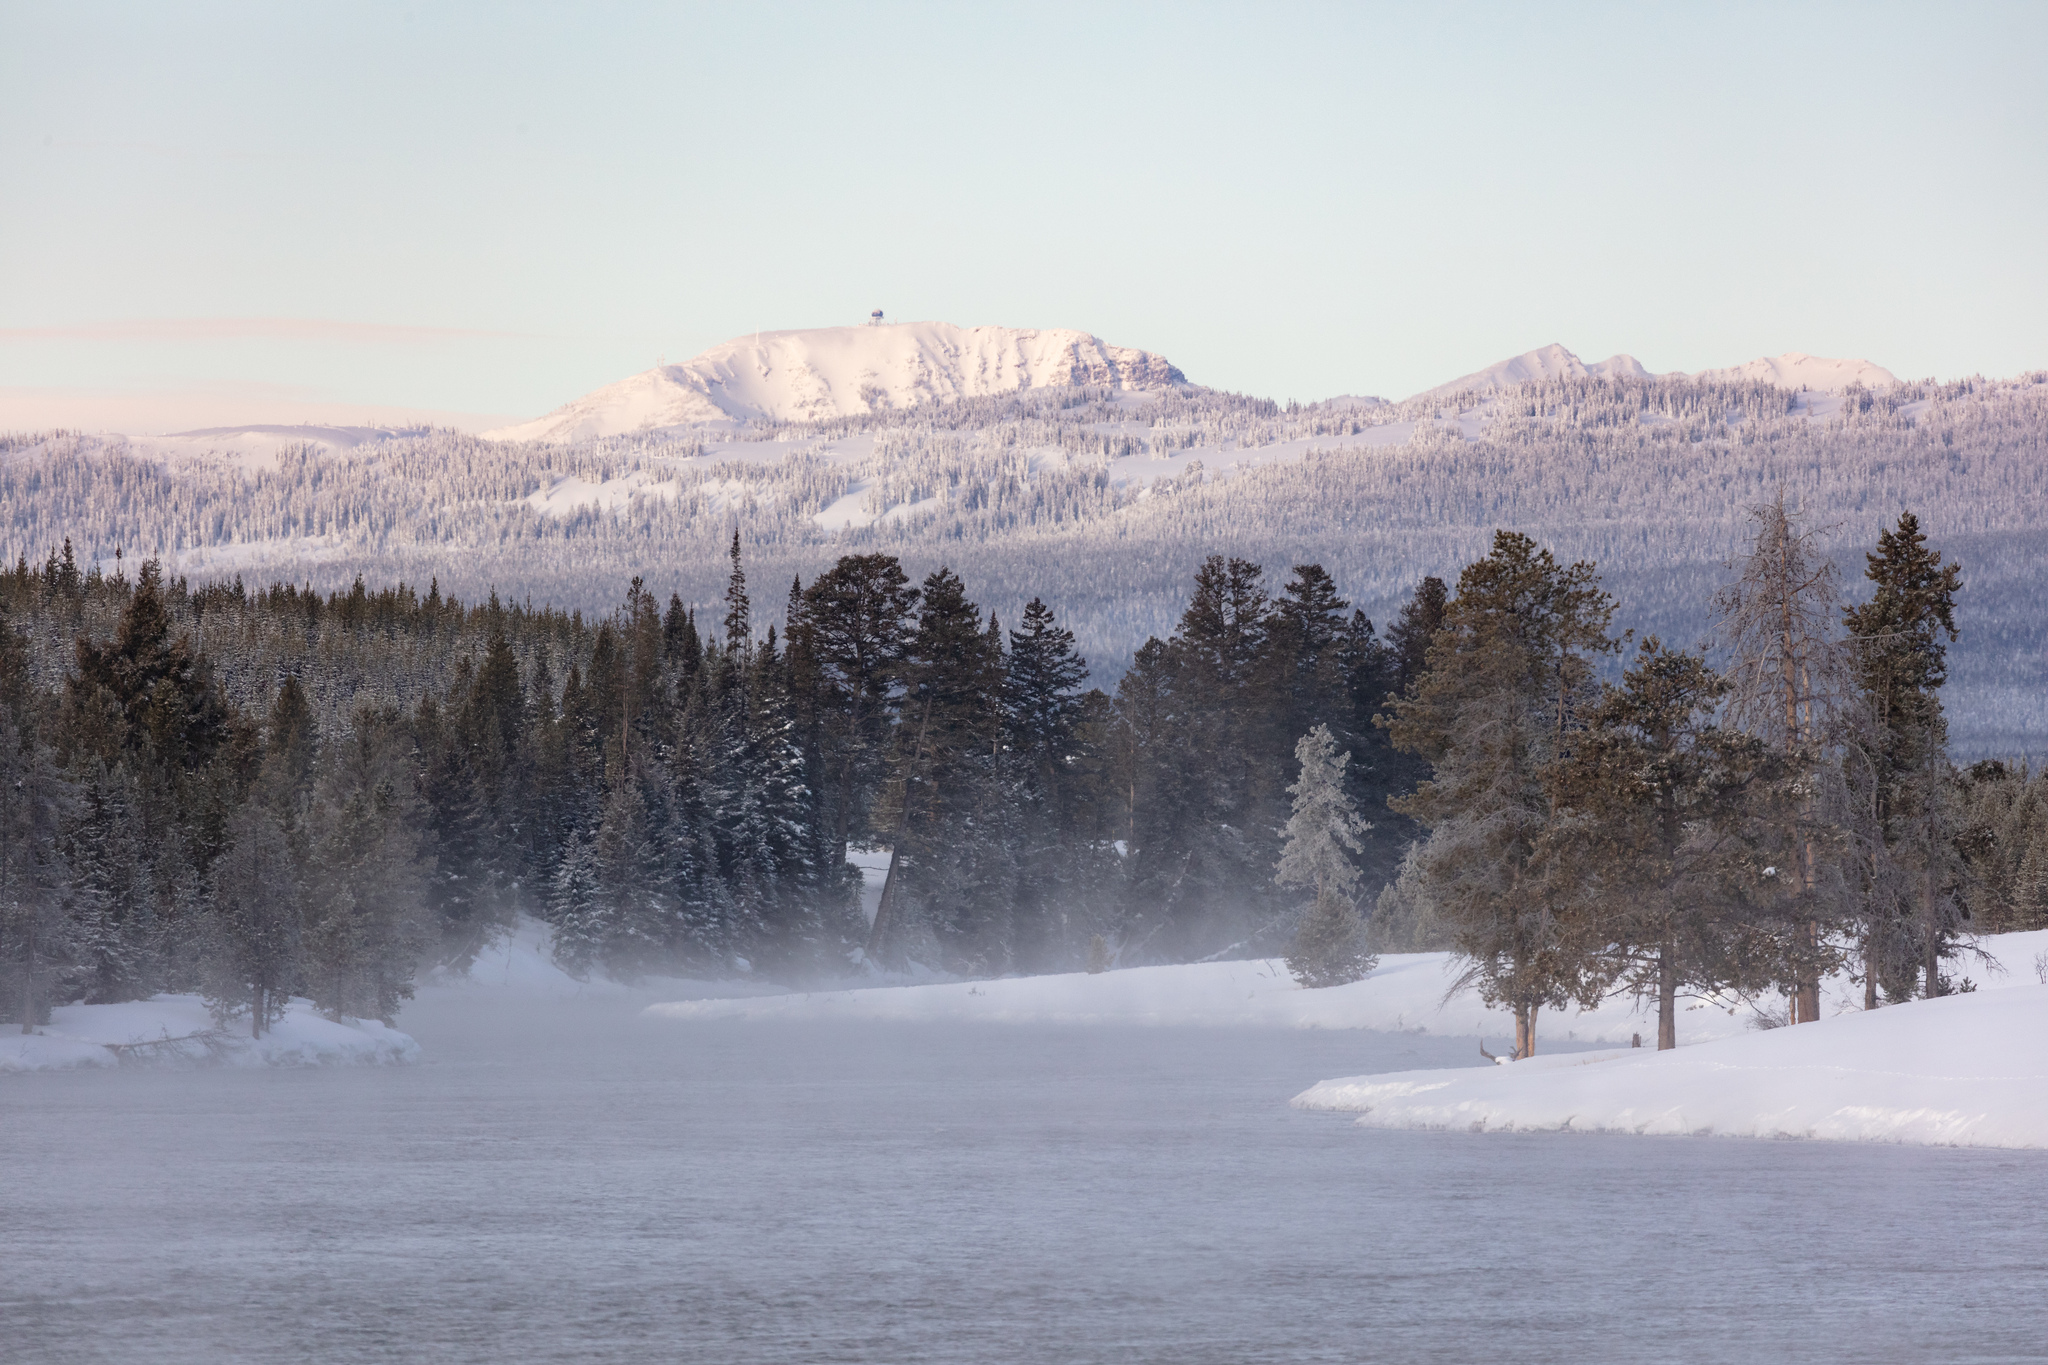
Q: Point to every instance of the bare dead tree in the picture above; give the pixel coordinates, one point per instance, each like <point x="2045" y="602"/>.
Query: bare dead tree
<point x="1777" y="619"/>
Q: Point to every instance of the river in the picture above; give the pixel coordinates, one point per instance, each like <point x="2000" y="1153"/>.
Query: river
<point x="563" y="1180"/>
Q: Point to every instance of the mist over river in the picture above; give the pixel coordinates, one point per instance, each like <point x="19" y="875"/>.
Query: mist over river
<point x="564" y="1180"/>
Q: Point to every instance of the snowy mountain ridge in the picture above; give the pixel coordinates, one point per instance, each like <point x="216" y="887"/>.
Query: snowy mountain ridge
<point x="1546" y="362"/>
<point x="826" y="372"/>
<point x="819" y="373"/>
<point x="1792" y="370"/>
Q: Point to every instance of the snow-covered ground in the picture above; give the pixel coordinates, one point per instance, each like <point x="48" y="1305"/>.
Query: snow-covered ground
<point x="1956" y="1070"/>
<point x="177" y="1029"/>
<point x="1406" y="993"/>
<point x="1964" y="1070"/>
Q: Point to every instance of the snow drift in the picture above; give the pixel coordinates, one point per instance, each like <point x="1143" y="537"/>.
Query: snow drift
<point x="178" y="1030"/>
<point x="826" y="372"/>
<point x="1962" y="1070"/>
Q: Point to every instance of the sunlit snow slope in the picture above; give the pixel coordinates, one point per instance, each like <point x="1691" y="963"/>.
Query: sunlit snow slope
<point x="840" y="371"/>
<point x="1798" y="370"/>
<point x="1547" y="362"/>
<point x="1792" y="370"/>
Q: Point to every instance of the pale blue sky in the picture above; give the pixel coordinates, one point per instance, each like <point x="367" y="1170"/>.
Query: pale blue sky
<point x="1294" y="201"/>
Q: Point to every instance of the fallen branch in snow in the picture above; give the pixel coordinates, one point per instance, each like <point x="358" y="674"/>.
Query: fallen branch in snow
<point x="210" y="1039"/>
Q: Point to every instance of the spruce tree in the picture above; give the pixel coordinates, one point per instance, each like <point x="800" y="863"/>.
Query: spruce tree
<point x="1322" y="834"/>
<point x="1422" y="616"/>
<point x="944" y="876"/>
<point x="1898" y="642"/>
<point x="858" y="626"/>
<point x="1042" y="708"/>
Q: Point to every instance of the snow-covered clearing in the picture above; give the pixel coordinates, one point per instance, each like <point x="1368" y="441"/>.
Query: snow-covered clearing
<point x="178" y="1030"/>
<point x="1964" y="1070"/>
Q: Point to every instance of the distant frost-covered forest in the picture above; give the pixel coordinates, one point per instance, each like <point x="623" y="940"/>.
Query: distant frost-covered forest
<point x="1104" y="503"/>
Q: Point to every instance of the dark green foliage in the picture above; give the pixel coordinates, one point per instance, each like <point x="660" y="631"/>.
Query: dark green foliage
<point x="1509" y="680"/>
<point x="1667" y="826"/>
<point x="274" y="793"/>
<point x="1329" y="949"/>
<point x="1915" y="898"/>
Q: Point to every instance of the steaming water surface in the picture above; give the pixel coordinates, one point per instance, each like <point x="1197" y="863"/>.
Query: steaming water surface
<point x="565" y="1181"/>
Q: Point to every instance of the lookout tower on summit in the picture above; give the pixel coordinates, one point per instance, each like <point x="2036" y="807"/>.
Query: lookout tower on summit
<point x="875" y="318"/>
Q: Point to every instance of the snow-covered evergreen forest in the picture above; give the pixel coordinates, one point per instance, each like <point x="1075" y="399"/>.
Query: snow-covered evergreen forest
<point x="1104" y="502"/>
<point x="278" y="792"/>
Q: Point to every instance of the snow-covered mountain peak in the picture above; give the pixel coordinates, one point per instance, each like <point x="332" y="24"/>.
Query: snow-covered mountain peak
<point x="1546" y="362"/>
<point x="1793" y="370"/>
<point x="827" y="372"/>
<point x="1798" y="370"/>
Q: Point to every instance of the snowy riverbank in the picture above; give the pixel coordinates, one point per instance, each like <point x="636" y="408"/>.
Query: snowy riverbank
<point x="1959" y="1070"/>
<point x="1964" y="1070"/>
<point x="1406" y="993"/>
<point x="175" y="1030"/>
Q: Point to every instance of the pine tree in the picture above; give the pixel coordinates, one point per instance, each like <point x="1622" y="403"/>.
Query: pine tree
<point x="1042" y="709"/>
<point x="858" y="623"/>
<point x="1309" y="633"/>
<point x="739" y="630"/>
<point x="944" y="876"/>
<point x="1899" y="663"/>
<point x="1509" y="680"/>
<point x="1215" y="775"/>
<point x="1409" y="638"/>
<point x="1659" y="841"/>
<point x="1324" y="830"/>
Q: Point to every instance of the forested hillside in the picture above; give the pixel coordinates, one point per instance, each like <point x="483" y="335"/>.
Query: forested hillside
<point x="1104" y="502"/>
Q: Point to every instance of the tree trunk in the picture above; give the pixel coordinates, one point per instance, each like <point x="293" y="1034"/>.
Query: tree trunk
<point x="28" y="981"/>
<point x="1870" y="967"/>
<point x="1930" y="951"/>
<point x="1808" y="1008"/>
<point x="256" y="1004"/>
<point x="840" y="816"/>
<point x="1525" y="1031"/>
<point x="1667" y="997"/>
<point x="878" y="932"/>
